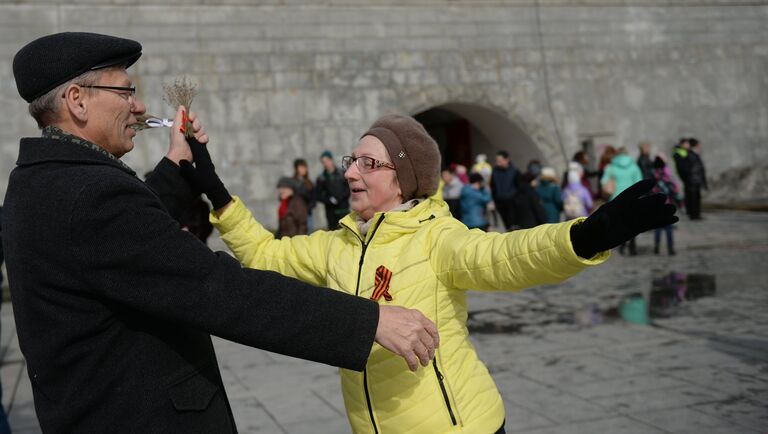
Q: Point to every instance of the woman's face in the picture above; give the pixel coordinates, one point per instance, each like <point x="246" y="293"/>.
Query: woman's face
<point x="375" y="190"/>
<point x="302" y="170"/>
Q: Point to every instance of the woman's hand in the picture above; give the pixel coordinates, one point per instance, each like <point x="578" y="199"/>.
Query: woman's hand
<point x="632" y="212"/>
<point x="202" y="176"/>
<point x="179" y="148"/>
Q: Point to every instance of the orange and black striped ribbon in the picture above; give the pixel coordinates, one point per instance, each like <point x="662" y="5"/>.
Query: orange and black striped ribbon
<point x="383" y="277"/>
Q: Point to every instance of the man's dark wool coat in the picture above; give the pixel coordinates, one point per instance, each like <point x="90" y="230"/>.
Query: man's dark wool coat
<point x="114" y="303"/>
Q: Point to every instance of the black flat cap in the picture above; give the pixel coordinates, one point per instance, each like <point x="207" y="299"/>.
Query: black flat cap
<point x="52" y="60"/>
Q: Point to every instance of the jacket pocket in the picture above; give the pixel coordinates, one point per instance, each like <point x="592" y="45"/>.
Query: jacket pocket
<point x="192" y="393"/>
<point x="444" y="392"/>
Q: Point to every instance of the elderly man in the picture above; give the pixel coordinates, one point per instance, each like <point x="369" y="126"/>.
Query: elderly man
<point x="113" y="302"/>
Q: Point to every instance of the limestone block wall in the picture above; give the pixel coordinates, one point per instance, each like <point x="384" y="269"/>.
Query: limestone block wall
<point x="285" y="79"/>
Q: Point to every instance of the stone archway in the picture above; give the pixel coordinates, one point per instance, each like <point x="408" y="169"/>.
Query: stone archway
<point x="464" y="130"/>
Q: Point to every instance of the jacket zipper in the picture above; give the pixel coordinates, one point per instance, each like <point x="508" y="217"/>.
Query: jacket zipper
<point x="357" y="292"/>
<point x="362" y="254"/>
<point x="445" y="392"/>
<point x="368" y="400"/>
<point x="427" y="219"/>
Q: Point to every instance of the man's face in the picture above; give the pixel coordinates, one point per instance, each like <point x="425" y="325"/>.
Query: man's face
<point x="502" y="162"/>
<point x="112" y="112"/>
<point x="328" y="164"/>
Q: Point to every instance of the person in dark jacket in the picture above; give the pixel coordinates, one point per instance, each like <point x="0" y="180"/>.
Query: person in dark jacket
<point x="292" y="213"/>
<point x="305" y="189"/>
<point x="4" y="428"/>
<point x="332" y="190"/>
<point x="505" y="180"/>
<point x="680" y="154"/>
<point x="113" y="302"/>
<point x="644" y="161"/>
<point x="697" y="179"/>
<point x="529" y="211"/>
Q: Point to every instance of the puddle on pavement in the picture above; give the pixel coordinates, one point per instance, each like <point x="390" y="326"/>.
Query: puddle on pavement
<point x="668" y="295"/>
<point x="672" y="290"/>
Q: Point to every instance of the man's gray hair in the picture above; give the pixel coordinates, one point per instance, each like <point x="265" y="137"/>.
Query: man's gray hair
<point x="44" y="109"/>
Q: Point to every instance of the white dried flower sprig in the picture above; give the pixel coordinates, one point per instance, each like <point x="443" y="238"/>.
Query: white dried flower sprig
<point x="181" y="92"/>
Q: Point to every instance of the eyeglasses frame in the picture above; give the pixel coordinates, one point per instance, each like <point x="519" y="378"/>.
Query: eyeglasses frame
<point x="377" y="164"/>
<point x="130" y="97"/>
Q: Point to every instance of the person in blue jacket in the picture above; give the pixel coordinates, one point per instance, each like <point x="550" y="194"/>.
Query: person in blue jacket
<point x="474" y="198"/>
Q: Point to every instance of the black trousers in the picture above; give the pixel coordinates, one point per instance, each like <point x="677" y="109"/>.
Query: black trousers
<point x="455" y="206"/>
<point x="501" y="430"/>
<point x="693" y="201"/>
<point x="506" y="209"/>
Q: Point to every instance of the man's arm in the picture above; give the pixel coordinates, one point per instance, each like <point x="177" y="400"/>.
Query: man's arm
<point x="130" y="251"/>
<point x="175" y="193"/>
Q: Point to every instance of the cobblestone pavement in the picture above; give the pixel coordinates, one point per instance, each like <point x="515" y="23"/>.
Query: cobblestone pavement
<point x="562" y="356"/>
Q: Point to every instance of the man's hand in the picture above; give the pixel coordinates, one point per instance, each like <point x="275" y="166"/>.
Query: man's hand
<point x="407" y="333"/>
<point x="179" y="149"/>
<point x="632" y="212"/>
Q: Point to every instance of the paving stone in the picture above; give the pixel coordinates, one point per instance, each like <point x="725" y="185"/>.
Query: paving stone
<point x="621" y="385"/>
<point x="740" y="412"/>
<point x="334" y="425"/>
<point x="520" y="418"/>
<point x="688" y="421"/>
<point x="659" y="399"/>
<point x="11" y="373"/>
<point x="616" y="425"/>
<point x="252" y="418"/>
<point x="734" y="380"/>
<point x="298" y="406"/>
<point x="547" y="400"/>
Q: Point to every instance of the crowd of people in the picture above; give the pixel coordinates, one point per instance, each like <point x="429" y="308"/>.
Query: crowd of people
<point x="298" y="196"/>
<point x="504" y="197"/>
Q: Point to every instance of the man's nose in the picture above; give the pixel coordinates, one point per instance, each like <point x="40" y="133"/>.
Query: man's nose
<point x="138" y="107"/>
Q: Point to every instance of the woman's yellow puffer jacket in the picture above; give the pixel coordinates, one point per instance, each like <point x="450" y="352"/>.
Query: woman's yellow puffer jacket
<point x="434" y="259"/>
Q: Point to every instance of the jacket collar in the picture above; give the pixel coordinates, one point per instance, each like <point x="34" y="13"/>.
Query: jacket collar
<point x="393" y="224"/>
<point x="36" y="150"/>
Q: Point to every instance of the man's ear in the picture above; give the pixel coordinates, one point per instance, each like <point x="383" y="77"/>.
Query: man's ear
<point x="76" y="102"/>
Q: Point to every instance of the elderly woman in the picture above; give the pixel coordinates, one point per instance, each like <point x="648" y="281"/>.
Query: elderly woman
<point x="400" y="246"/>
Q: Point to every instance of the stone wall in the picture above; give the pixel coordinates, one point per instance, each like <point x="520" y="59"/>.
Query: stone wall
<point x="286" y="79"/>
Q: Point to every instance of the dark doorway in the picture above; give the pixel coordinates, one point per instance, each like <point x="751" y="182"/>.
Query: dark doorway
<point x="462" y="131"/>
<point x="452" y="134"/>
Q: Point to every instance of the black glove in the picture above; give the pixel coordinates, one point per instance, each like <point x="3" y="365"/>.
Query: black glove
<point x="629" y="214"/>
<point x="202" y="176"/>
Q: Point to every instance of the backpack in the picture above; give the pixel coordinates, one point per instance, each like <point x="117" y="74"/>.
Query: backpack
<point x="573" y="207"/>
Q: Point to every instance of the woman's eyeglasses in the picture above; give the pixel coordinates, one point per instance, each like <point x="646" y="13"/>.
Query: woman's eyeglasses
<point x="364" y="164"/>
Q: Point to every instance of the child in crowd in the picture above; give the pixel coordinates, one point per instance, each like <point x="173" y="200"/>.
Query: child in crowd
<point x="474" y="198"/>
<point x="664" y="184"/>
<point x="292" y="214"/>
<point x="577" y="200"/>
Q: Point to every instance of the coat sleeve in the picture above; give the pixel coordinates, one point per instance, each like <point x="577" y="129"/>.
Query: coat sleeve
<point x="473" y="259"/>
<point x="166" y="181"/>
<point x="128" y="250"/>
<point x="303" y="257"/>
